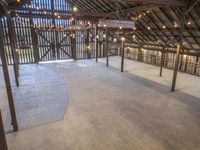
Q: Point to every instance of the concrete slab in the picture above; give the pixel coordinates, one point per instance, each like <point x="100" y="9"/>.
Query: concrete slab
<point x="115" y="111"/>
<point x="41" y="97"/>
<point x="186" y="83"/>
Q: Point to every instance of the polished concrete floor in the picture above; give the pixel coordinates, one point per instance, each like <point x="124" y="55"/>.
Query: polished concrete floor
<point x="109" y="110"/>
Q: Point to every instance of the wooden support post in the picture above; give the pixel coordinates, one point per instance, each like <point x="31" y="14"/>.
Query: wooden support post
<point x="7" y="82"/>
<point x="179" y="45"/>
<point x="3" y="142"/>
<point x="122" y="57"/>
<point x="140" y="53"/>
<point x="74" y="45"/>
<point x="176" y="67"/>
<point x="97" y="42"/>
<point x="186" y="63"/>
<point x="87" y="43"/>
<point x="196" y="65"/>
<point x="34" y="42"/>
<point x="12" y="37"/>
<point x="161" y="63"/>
<point x="107" y="49"/>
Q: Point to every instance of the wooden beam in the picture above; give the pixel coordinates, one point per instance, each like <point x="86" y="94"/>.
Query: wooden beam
<point x="179" y="47"/>
<point x="12" y="38"/>
<point x="107" y="48"/>
<point x="97" y="42"/>
<point x="122" y="56"/>
<point x="159" y="2"/>
<point x="3" y="142"/>
<point x="7" y="82"/>
<point x="194" y="3"/>
<point x="133" y="9"/>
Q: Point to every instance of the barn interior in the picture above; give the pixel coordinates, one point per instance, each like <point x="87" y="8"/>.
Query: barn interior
<point x="99" y="74"/>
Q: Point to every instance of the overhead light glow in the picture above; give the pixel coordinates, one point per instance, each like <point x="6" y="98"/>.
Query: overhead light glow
<point x="75" y="8"/>
<point x="164" y="27"/>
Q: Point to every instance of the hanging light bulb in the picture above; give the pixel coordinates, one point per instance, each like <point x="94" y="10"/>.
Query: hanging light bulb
<point x="115" y="40"/>
<point x="123" y="38"/>
<point x="75" y="8"/>
<point x="189" y="23"/>
<point x="134" y="36"/>
<point x="18" y="1"/>
<point x="149" y="28"/>
<point x="120" y="27"/>
<point x="164" y="27"/>
<point x="134" y="28"/>
<point x="175" y="25"/>
<point x="104" y="35"/>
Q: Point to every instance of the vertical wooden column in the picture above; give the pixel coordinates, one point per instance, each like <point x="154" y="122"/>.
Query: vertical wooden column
<point x="140" y="53"/>
<point x="196" y="65"/>
<point x="176" y="67"/>
<point x="178" y="49"/>
<point x="122" y="56"/>
<point x="3" y="142"/>
<point x="97" y="42"/>
<point x="7" y="82"/>
<point x="161" y="63"/>
<point x="87" y="44"/>
<point x="74" y="45"/>
<point x="34" y="42"/>
<point x="181" y="62"/>
<point x="107" y="49"/>
<point x="12" y="37"/>
<point x="186" y="63"/>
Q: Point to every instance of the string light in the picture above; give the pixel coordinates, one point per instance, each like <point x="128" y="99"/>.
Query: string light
<point x="134" y="28"/>
<point x="115" y="40"/>
<point x="149" y="28"/>
<point x="175" y="25"/>
<point x="120" y="27"/>
<point x="123" y="38"/>
<point x="189" y="23"/>
<point x="45" y="12"/>
<point x="18" y="1"/>
<point x="75" y="8"/>
<point x="134" y="36"/>
<point x="164" y="27"/>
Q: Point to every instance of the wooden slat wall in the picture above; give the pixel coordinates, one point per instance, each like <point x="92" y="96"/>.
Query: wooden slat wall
<point x="188" y="64"/>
